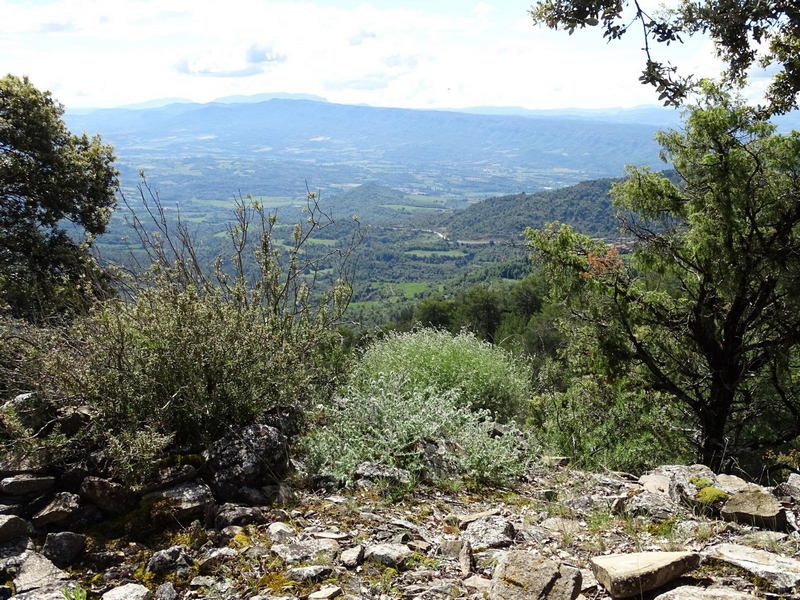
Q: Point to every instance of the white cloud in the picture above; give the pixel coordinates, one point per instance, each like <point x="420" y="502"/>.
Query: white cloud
<point x="105" y="53"/>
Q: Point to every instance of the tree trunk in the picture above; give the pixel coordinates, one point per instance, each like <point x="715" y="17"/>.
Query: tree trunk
<point x="713" y="450"/>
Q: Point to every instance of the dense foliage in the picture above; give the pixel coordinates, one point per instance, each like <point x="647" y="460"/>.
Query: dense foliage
<point x="707" y="308"/>
<point x="49" y="177"/>
<point x="190" y="356"/>
<point x="486" y="377"/>
<point x="600" y="423"/>
<point x="586" y="206"/>
<point x="430" y="431"/>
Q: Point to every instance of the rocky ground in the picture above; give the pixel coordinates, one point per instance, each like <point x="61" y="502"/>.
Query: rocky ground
<point x="677" y="532"/>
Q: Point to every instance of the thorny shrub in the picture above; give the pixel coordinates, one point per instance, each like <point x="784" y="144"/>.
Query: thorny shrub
<point x="183" y="356"/>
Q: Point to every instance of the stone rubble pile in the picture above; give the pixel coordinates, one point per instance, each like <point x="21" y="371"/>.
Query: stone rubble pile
<point x="231" y="528"/>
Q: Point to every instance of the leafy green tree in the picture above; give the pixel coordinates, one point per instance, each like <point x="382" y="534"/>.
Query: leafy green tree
<point x="733" y="25"/>
<point x="53" y="184"/>
<point x="708" y="306"/>
<point x="436" y="313"/>
<point x="481" y="310"/>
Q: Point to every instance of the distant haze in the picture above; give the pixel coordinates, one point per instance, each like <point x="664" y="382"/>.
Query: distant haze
<point x="392" y="53"/>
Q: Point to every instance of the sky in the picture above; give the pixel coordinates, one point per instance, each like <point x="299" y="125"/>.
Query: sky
<point x="398" y="53"/>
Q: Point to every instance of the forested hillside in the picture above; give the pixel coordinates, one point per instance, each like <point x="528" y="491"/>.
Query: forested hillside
<point x="585" y="206"/>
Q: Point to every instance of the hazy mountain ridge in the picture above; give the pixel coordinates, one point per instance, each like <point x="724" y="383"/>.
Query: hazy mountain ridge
<point x="209" y="151"/>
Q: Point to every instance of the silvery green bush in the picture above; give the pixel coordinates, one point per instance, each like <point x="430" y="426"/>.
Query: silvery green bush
<point x="384" y="420"/>
<point x="478" y="375"/>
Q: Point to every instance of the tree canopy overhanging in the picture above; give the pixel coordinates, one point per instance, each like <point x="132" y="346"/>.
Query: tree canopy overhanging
<point x="707" y="307"/>
<point x="53" y="186"/>
<point x="745" y="33"/>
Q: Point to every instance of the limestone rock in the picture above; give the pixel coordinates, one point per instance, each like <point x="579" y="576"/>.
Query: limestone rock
<point x="450" y="548"/>
<point x="472" y="517"/>
<point x="326" y="593"/>
<point x="22" y="485"/>
<point x="280" y="532"/>
<point x="353" y="557"/>
<point x="187" y="501"/>
<point x="215" y="558"/>
<point x="63" y="507"/>
<point x="254" y="456"/>
<point x="756" y="508"/>
<point x="306" y="550"/>
<point x="233" y="514"/>
<point x="112" y="498"/>
<point x="521" y="575"/>
<point x="465" y="559"/>
<point x="311" y="573"/>
<point x="11" y="528"/>
<point x="129" y="591"/>
<point x="478" y="583"/>
<point x="626" y="575"/>
<point x="390" y="555"/>
<point x="37" y="573"/>
<point x="375" y="472"/>
<point x="690" y="592"/>
<point x="63" y="548"/>
<point x="172" y="560"/>
<point x="166" y="591"/>
<point x="489" y="532"/>
<point x="783" y="574"/>
<point x="731" y="484"/>
<point x="658" y="507"/>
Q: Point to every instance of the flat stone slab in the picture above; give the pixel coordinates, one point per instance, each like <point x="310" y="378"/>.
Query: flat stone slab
<point x="37" y="572"/>
<point x="523" y="575"/>
<point x="655" y="483"/>
<point x="130" y="591"/>
<point x="21" y="485"/>
<point x="476" y="582"/>
<point x="690" y="592"/>
<point x="782" y="573"/>
<point x="306" y="550"/>
<point x="756" y="508"/>
<point x="329" y="591"/>
<point x="390" y="555"/>
<point x="731" y="484"/>
<point x="626" y="575"/>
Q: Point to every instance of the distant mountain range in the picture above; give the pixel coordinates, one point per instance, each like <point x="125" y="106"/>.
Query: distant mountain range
<point x="271" y="148"/>
<point x="271" y="145"/>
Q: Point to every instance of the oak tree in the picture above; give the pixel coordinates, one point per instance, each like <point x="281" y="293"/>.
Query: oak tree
<point x="54" y="187"/>
<point x="707" y="305"/>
